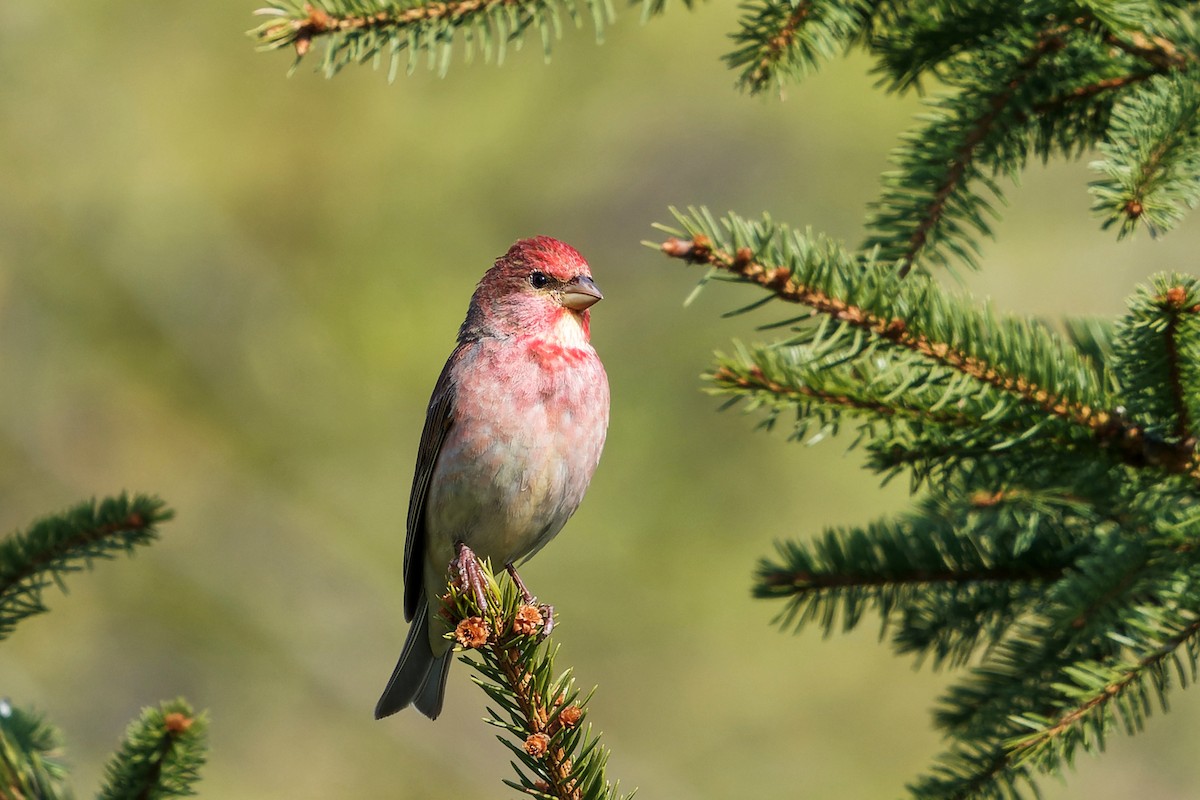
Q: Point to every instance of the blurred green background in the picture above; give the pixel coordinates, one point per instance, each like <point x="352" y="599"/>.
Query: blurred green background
<point x="236" y="289"/>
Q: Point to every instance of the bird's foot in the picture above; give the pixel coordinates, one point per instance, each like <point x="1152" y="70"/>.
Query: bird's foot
<point x="470" y="575"/>
<point x="548" y="616"/>
<point x="525" y="595"/>
<point x="547" y="611"/>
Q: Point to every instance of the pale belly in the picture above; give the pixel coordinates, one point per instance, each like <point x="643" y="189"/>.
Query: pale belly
<point x="516" y="463"/>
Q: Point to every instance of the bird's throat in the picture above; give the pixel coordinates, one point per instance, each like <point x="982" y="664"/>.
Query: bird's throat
<point x="566" y="338"/>
<point x="570" y="329"/>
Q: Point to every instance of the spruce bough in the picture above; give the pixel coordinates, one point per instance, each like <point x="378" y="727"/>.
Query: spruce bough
<point x="1055" y="547"/>
<point x="162" y="751"/>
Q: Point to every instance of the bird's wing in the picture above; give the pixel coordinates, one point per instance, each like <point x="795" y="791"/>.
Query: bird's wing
<point x="438" y="420"/>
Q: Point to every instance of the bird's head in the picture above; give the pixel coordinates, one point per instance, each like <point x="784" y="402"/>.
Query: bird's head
<point x="540" y="286"/>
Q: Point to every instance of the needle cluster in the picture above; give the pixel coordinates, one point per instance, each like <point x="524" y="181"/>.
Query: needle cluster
<point x="1053" y="554"/>
<point x="60" y="544"/>
<point x="162" y="751"/>
<point x="542" y="713"/>
<point x="400" y="32"/>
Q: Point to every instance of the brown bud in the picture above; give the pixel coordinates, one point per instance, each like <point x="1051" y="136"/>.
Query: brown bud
<point x="778" y="277"/>
<point x="1134" y="209"/>
<point x="1176" y="296"/>
<point x="318" y="18"/>
<point x="570" y="716"/>
<point x="472" y="632"/>
<point x="676" y="247"/>
<point x="527" y="621"/>
<point x="177" y="723"/>
<point x="537" y="744"/>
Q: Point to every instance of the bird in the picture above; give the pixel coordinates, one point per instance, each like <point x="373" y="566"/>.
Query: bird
<point x="513" y="433"/>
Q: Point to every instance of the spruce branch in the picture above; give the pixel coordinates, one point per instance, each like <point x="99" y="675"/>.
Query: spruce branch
<point x="925" y="40"/>
<point x="905" y="413"/>
<point x="1174" y="301"/>
<point x="1151" y="157"/>
<point x="1025" y="77"/>
<point x="947" y="578"/>
<point x="780" y="379"/>
<point x="856" y="294"/>
<point x="910" y="218"/>
<point x="1058" y="539"/>
<point x="60" y="544"/>
<point x="1089" y="653"/>
<point x="542" y="713"/>
<point x="1158" y="52"/>
<point x="1101" y="692"/>
<point x="31" y="766"/>
<point x="160" y="756"/>
<point x="1086" y="92"/>
<point x="362" y="31"/>
<point x="1050" y="686"/>
<point x="1156" y="347"/>
<point x="786" y="38"/>
<point x="784" y="278"/>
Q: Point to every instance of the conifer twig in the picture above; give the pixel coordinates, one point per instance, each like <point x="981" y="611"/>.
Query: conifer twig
<point x="300" y="30"/>
<point x="755" y="379"/>
<point x="776" y="46"/>
<point x="751" y="378"/>
<point x="776" y="582"/>
<point x="560" y="758"/>
<point x="1088" y="91"/>
<point x="1157" y="51"/>
<point x="354" y="33"/>
<point x="1173" y="302"/>
<point x="160" y="756"/>
<point x="778" y="280"/>
<point x="1109" y="690"/>
<point x="68" y="542"/>
<point x="1130" y="442"/>
<point x="1048" y="42"/>
<point x="31" y="764"/>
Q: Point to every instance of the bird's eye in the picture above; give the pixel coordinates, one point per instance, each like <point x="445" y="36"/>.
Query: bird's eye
<point x="538" y="279"/>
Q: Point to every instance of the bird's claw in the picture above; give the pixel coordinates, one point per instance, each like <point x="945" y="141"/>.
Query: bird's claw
<point x="525" y="595"/>
<point x="470" y="575"/>
<point x="547" y="611"/>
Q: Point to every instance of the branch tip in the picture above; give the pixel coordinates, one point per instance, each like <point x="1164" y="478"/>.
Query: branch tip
<point x="528" y="620"/>
<point x="695" y="250"/>
<point x="536" y="744"/>
<point x="472" y="633"/>
<point x="1175" y="298"/>
<point x="177" y="723"/>
<point x="570" y="716"/>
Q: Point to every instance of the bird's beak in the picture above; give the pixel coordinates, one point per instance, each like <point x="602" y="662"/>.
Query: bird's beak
<point x="581" y="293"/>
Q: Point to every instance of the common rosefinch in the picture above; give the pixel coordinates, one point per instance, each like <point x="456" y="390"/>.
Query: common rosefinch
<point x="512" y="436"/>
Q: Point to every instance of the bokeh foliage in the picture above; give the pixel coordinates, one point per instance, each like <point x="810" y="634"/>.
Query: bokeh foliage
<point x="163" y="750"/>
<point x="238" y="289"/>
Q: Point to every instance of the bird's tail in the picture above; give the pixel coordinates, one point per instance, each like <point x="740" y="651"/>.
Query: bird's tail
<point x="420" y="677"/>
